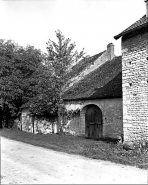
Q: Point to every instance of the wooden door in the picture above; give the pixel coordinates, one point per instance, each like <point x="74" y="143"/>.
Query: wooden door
<point x="93" y="118"/>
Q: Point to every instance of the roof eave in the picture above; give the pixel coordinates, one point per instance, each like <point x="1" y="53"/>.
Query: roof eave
<point x="127" y="32"/>
<point x="117" y="36"/>
<point x="91" y="98"/>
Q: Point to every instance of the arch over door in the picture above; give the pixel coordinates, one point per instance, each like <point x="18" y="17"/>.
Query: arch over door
<point x="93" y="121"/>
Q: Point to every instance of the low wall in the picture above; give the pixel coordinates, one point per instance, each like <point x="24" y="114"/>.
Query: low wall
<point x="45" y="126"/>
<point x="36" y="125"/>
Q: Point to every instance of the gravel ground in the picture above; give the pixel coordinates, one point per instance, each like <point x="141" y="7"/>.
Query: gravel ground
<point x="22" y="163"/>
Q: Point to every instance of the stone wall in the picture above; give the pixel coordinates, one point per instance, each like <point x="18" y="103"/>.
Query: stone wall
<point x="45" y="126"/>
<point x="26" y="121"/>
<point x="73" y="125"/>
<point x="111" y="113"/>
<point x="135" y="85"/>
<point x="35" y="125"/>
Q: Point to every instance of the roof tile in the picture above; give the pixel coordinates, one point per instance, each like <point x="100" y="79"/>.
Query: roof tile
<point x="137" y="25"/>
<point x="105" y="81"/>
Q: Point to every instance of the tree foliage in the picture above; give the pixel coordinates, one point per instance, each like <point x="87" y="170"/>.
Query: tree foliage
<point x="32" y="79"/>
<point x="24" y="80"/>
<point x="61" y="55"/>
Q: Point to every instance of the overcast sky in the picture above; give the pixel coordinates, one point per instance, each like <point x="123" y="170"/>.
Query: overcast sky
<point x="90" y="23"/>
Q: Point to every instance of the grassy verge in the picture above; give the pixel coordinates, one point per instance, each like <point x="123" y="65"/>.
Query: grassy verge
<point x="81" y="146"/>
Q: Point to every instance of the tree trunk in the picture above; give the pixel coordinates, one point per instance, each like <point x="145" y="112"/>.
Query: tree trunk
<point x="1" y="119"/>
<point x="33" y="123"/>
<point x="59" y="123"/>
<point x="4" y="120"/>
<point x="60" y="129"/>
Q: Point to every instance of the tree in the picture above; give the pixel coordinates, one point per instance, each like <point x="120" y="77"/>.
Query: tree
<point x="61" y="56"/>
<point x="24" y="80"/>
<point x="9" y="90"/>
<point x="42" y="99"/>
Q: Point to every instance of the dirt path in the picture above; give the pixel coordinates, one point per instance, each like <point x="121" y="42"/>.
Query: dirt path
<point x="26" y="164"/>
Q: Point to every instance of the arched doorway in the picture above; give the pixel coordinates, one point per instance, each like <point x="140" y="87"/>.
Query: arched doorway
<point x="93" y="122"/>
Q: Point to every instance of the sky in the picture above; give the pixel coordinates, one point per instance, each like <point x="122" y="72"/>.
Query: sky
<point x="91" y="24"/>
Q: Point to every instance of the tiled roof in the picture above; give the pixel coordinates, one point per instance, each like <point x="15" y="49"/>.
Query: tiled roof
<point x="143" y="22"/>
<point x="113" y="89"/>
<point x="104" y="82"/>
<point x="81" y="65"/>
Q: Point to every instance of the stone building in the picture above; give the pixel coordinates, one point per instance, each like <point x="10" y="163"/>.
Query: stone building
<point x="93" y="97"/>
<point x="107" y="95"/>
<point x="135" y="79"/>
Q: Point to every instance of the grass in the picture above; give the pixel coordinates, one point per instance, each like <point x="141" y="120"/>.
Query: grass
<point x="103" y="150"/>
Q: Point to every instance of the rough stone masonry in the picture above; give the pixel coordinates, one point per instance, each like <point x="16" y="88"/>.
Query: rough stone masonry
<point x="135" y="85"/>
<point x="135" y="80"/>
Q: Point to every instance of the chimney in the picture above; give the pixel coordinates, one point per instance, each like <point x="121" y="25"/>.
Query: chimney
<point x="110" y="51"/>
<point x="146" y="2"/>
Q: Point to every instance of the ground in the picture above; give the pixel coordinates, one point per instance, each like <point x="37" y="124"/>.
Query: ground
<point x="23" y="163"/>
<point x="107" y="150"/>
